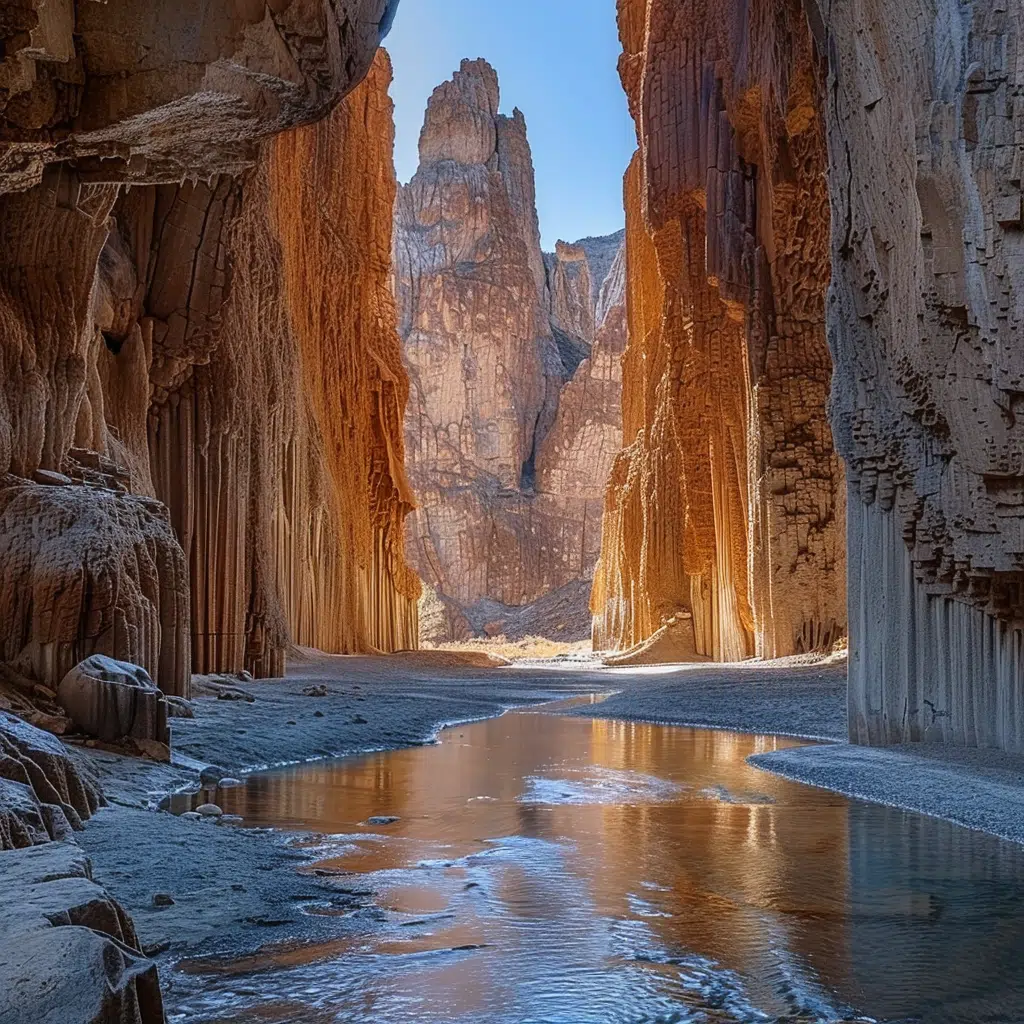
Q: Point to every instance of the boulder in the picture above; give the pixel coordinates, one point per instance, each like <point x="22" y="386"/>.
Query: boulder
<point x="68" y="951"/>
<point x="112" y="699"/>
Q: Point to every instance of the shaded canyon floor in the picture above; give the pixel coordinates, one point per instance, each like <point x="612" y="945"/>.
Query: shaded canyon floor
<point x="237" y="891"/>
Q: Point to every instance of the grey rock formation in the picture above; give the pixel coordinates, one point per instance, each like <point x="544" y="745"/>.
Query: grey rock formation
<point x="112" y="699"/>
<point x="926" y="135"/>
<point x="44" y="794"/>
<point x="69" y="953"/>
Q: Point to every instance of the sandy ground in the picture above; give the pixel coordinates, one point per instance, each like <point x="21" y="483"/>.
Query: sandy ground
<point x="237" y="890"/>
<point x="783" y="698"/>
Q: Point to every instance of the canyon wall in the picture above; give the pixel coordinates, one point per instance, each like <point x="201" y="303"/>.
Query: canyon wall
<point x="514" y="408"/>
<point x="893" y="132"/>
<point x="926" y="133"/>
<point x="192" y="474"/>
<point x="725" y="511"/>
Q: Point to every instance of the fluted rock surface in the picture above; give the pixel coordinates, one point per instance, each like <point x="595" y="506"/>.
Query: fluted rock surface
<point x="152" y="354"/>
<point x="725" y="510"/>
<point x="274" y="429"/>
<point x="492" y="335"/>
<point x="926" y="141"/>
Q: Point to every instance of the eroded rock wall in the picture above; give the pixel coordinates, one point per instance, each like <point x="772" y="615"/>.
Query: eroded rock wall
<point x="926" y="137"/>
<point x="509" y="401"/>
<point x="166" y="485"/>
<point x="169" y="89"/>
<point x="274" y="430"/>
<point x="724" y="515"/>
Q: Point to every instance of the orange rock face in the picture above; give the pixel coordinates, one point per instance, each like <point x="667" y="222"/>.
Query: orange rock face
<point x="725" y="510"/>
<point x="275" y="427"/>
<point x="203" y="380"/>
<point x="514" y="402"/>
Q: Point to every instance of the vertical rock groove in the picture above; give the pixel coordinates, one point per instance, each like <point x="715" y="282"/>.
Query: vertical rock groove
<point x="926" y="137"/>
<point x="724" y="515"/>
<point x="193" y="472"/>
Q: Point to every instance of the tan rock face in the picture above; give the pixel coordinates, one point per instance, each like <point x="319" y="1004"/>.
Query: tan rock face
<point x="274" y="430"/>
<point x="491" y="350"/>
<point x="156" y="342"/>
<point x="726" y="508"/>
<point x="928" y="303"/>
<point x="169" y="89"/>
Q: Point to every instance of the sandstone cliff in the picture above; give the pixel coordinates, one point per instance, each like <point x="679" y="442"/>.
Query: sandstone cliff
<point x="492" y="335"/>
<point x="277" y="390"/>
<point x="175" y="475"/>
<point x="724" y="513"/>
<point x="926" y="142"/>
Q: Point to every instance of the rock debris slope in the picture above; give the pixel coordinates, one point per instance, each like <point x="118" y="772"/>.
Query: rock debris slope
<point x="725" y="511"/>
<point x="179" y="488"/>
<point x="513" y="418"/>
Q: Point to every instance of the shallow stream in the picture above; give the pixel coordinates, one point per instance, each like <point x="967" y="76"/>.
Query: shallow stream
<point x="546" y="869"/>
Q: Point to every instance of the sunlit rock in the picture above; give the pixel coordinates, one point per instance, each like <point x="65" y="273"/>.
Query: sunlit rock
<point x="514" y="414"/>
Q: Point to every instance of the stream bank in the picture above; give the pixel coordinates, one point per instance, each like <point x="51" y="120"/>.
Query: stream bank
<point x="235" y="891"/>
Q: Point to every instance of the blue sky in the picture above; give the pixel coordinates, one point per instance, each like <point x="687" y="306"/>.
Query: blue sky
<point x="556" y="61"/>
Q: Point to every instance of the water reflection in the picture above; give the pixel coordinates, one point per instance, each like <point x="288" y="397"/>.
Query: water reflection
<point x="548" y="869"/>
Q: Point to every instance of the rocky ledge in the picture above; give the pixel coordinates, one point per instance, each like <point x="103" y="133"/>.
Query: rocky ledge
<point x="69" y="952"/>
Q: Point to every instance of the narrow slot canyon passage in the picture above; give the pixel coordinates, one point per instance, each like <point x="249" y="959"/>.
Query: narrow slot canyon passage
<point x="511" y="514"/>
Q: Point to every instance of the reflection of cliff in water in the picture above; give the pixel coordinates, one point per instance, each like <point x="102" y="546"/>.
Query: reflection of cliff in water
<point x="651" y="865"/>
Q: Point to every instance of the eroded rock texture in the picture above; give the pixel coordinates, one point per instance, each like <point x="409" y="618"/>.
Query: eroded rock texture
<point x="165" y="90"/>
<point x="68" y="951"/>
<point x="177" y="486"/>
<point x="514" y="407"/>
<point x="44" y="794"/>
<point x="725" y="510"/>
<point x="274" y="428"/>
<point x="926" y="146"/>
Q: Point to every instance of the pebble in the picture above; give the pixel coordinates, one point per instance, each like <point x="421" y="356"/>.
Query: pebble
<point x="230" y="819"/>
<point x="230" y="783"/>
<point x="212" y="775"/>
<point x="383" y="819"/>
<point x="359" y="720"/>
<point x="161" y="899"/>
<point x="315" y="691"/>
<point x="209" y="811"/>
<point x="318" y="714"/>
<point x="191" y="816"/>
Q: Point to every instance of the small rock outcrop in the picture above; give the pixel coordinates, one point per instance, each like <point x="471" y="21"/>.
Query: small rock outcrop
<point x="724" y="513"/>
<point x="44" y="794"/>
<point x="68" y="951"/>
<point x="494" y="337"/>
<point x="111" y="700"/>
